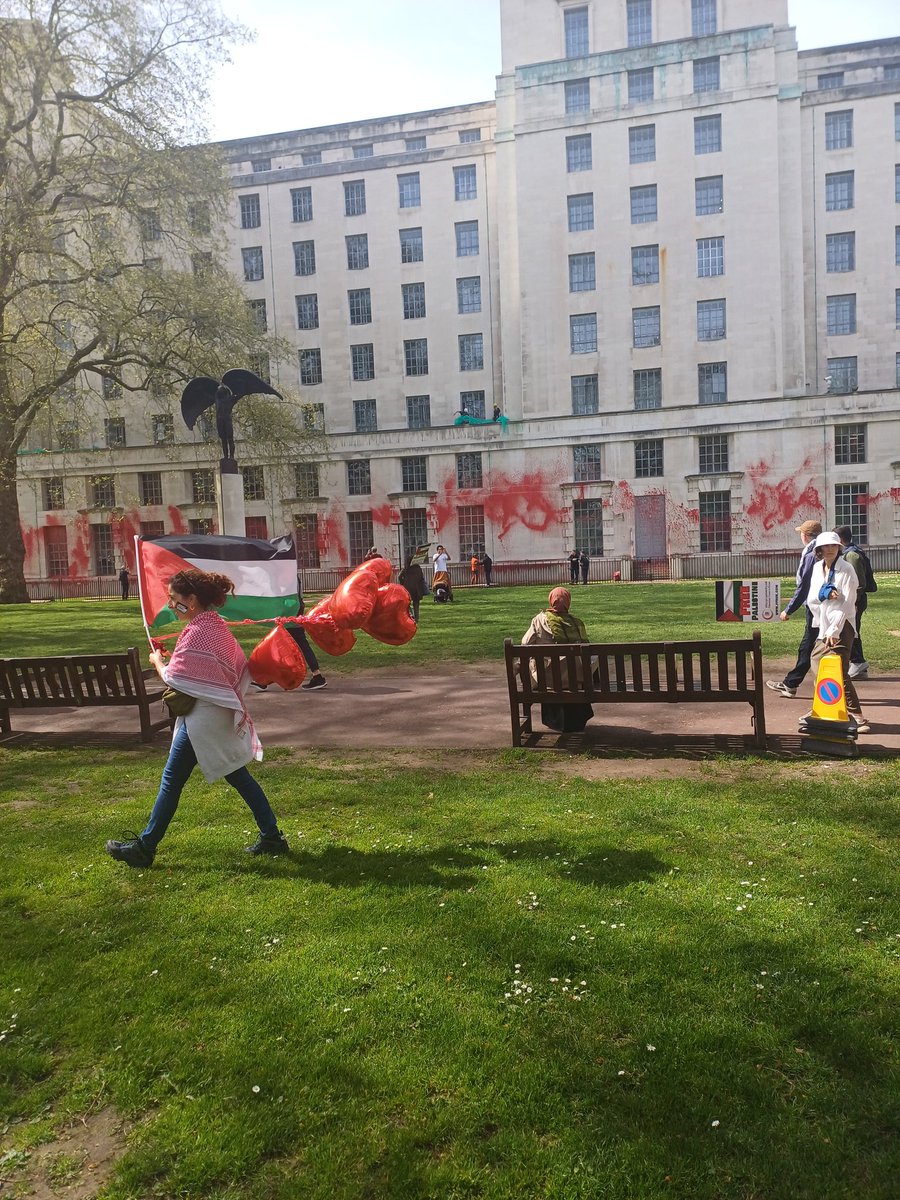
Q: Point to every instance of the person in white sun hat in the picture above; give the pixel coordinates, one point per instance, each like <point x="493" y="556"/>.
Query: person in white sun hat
<point x="832" y="604"/>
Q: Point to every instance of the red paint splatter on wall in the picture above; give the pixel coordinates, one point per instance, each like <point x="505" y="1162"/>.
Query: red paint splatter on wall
<point x="385" y="515"/>
<point x="124" y="531"/>
<point x="621" y="499"/>
<point x="177" y="520"/>
<point x="782" y="502"/>
<point x="530" y="500"/>
<point x="31" y="543"/>
<point x="80" y="548"/>
<point x="331" y="536"/>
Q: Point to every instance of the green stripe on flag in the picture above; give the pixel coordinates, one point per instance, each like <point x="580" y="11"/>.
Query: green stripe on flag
<point x="259" y="608"/>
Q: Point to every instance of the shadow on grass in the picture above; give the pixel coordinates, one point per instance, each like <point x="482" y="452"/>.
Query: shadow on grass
<point x="451" y="868"/>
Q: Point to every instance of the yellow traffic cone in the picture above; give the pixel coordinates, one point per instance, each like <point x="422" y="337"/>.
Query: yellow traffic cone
<point x="828" y="727"/>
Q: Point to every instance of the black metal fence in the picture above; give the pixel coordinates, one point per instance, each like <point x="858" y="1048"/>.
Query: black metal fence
<point x="755" y="564"/>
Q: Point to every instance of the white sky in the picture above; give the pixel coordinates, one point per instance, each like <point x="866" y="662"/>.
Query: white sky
<point x="316" y="62"/>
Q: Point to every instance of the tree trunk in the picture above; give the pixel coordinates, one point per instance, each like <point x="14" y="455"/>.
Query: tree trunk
<point x="12" y="549"/>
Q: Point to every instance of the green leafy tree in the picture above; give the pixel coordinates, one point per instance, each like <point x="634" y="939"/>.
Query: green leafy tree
<point x="109" y="207"/>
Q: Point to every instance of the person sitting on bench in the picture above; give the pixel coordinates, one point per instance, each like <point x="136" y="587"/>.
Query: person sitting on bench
<point x="556" y="624"/>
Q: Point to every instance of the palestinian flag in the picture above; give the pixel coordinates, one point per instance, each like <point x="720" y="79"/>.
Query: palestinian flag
<point x="264" y="574"/>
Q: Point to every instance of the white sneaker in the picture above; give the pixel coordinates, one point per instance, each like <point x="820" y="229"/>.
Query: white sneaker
<point x="858" y="671"/>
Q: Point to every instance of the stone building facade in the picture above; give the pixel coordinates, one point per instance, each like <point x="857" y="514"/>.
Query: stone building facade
<point x="668" y="253"/>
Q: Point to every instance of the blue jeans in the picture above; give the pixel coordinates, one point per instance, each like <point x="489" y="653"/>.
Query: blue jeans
<point x="177" y="771"/>
<point x="800" y="669"/>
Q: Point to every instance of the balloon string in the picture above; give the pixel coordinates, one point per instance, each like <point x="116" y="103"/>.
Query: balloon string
<point x="320" y="619"/>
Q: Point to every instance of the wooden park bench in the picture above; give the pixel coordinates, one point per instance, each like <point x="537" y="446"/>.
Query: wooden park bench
<point x="81" y="681"/>
<point x="713" y="672"/>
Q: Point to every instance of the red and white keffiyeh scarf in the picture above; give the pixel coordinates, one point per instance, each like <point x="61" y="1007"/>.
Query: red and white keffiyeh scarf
<point x="209" y="664"/>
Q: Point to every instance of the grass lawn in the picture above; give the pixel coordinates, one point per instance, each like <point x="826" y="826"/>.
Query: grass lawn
<point x="471" y="628"/>
<point x="497" y="978"/>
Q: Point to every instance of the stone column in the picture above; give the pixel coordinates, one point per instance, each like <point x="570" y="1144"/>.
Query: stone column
<point x="231" y="499"/>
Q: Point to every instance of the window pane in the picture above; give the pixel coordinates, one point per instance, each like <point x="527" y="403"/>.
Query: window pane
<point x="710" y="320"/>
<point x="365" y="416"/>
<point x="471" y="352"/>
<point x="586" y="464"/>
<point x="581" y="212"/>
<point x="410" y="190"/>
<point x="466" y="238"/>
<point x="841" y="314"/>
<point x="414" y="473"/>
<point x="838" y="191"/>
<point x="469" y="472"/>
<point x="708" y="134"/>
<point x="582" y="273"/>
<point x="643" y="204"/>
<point x="648" y="458"/>
<point x="640" y="85"/>
<point x="642" y="144"/>
<point x="576" y="32"/>
<point x="645" y="326"/>
<point x="306" y="480"/>
<point x="411" y="248"/>
<point x="471" y="530"/>
<point x="585" y="395"/>
<point x="415" y="354"/>
<point x="253" y="263"/>
<point x="413" y="301"/>
<point x="472" y="403"/>
<point x="712" y="383"/>
<point x="851" y="507"/>
<point x="648" y="389"/>
<point x="362" y="361"/>
<point x="709" y="195"/>
<point x="355" y="198"/>
<point x="706" y="75"/>
<point x="644" y="265"/>
<point x="468" y="294"/>
<point x="254" y="482"/>
<point x="841" y="375"/>
<point x="359" y="301"/>
<point x="849" y="444"/>
<point x="301" y="204"/>
<point x="578" y="96"/>
<point x="357" y="251"/>
<point x="418" y="412"/>
<point x="710" y="257"/>
<point x="308" y="311"/>
<point x="840" y="252"/>
<point x="310" y="367"/>
<point x="250" y="215"/>
<point x="361" y="535"/>
<point x="587" y="518"/>
<point x="639" y="15"/>
<point x="578" y="153"/>
<point x="713" y="452"/>
<point x="465" y="183"/>
<point x="839" y="130"/>
<point x="583" y="333"/>
<point x="715" y="522"/>
<point x="703" y="18"/>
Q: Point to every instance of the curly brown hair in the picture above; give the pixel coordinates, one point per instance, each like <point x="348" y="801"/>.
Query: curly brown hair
<point x="210" y="588"/>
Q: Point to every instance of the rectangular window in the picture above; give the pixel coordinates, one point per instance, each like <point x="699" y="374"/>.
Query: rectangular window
<point x="578" y="153"/>
<point x="102" y="491"/>
<point x="151" y="230"/>
<point x="585" y="395"/>
<point x="103" y="551"/>
<point x="410" y="190"/>
<point x="830" y="79"/>
<point x="308" y="311"/>
<point x="468" y="294"/>
<point x="897" y="183"/>
<point x="471" y="530"/>
<point x="304" y="258"/>
<point x="114" y="431"/>
<point x="256" y="527"/>
<point x="56" y="545"/>
<point x="153" y="529"/>
<point x="640" y="85"/>
<point x="313" y="417"/>
<point x="466" y="239"/>
<point x="849" y="445"/>
<point x="583" y="333"/>
<point x="365" y="416"/>
<point x="840" y="252"/>
<point x="201" y="526"/>
<point x="260" y="165"/>
<point x="361" y="534"/>
<point x="199" y="218"/>
<point x="469" y="472"/>
<point x="359" y="477"/>
<point x="648" y="458"/>
<point x="578" y="96"/>
<point x="414" y="530"/>
<point x="851" y="507"/>
<point x="163" y="426"/>
<point x="639" y="21"/>
<point x="897" y="308"/>
<point x="715" y="522"/>
<point x="643" y="204"/>
<point x="258" y="315"/>
<point x="469" y="135"/>
<point x="712" y="383"/>
<point x="53" y="492"/>
<point x="706" y="75"/>
<point x="582" y="273"/>
<point x="841" y="314"/>
<point x="259" y="365"/>
<point x="587" y="521"/>
<point x="311" y="158"/>
<point x="575" y="21"/>
<point x="648" y="389"/>
<point x="838" y="191"/>
<point x="471" y="352"/>
<point x="472" y="403"/>
<point x="359" y="303"/>
<point x="413" y="300"/>
<point x="306" y="480"/>
<point x="253" y="263"/>
<point x="301" y="204"/>
<point x="642" y="144"/>
<point x="708" y="134"/>
<point x="842" y="375"/>
<point x="201" y="263"/>
<point x="306" y="540"/>
<point x="254" y="483"/>
<point x="362" y="361"/>
<point x="586" y="464"/>
<point x="581" y="212"/>
<point x="465" y="183"/>
<point x="355" y="198"/>
<point x="709" y="196"/>
<point x="310" y="367"/>
<point x="411" y="248"/>
<point x="414" y="145"/>
<point x="710" y="320"/>
<point x="418" y="412"/>
<point x="415" y="356"/>
<point x="645" y="326"/>
<point x="203" y="486"/>
<point x="150" y="487"/>
<point x="710" y="257"/>
<point x="357" y="251"/>
<point x="839" y="129"/>
<point x="713" y="453"/>
<point x="112" y="389"/>
<point x="366" y="151"/>
<point x="897" y="245"/>
<point x="414" y="473"/>
<point x="897" y="122"/>
<point x="892" y="72"/>
<point x="644" y="265"/>
<point x="250" y="214"/>
<point x="703" y="18"/>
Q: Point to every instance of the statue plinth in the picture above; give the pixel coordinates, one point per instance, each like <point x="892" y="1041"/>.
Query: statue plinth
<point x="228" y="466"/>
<point x="232" y="516"/>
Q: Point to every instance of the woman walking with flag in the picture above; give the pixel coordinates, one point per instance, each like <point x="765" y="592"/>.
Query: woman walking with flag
<point x="208" y="676"/>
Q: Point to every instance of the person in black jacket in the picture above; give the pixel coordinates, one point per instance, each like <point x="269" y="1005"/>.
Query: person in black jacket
<point x="808" y="531"/>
